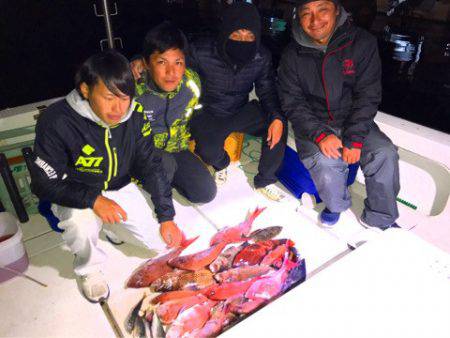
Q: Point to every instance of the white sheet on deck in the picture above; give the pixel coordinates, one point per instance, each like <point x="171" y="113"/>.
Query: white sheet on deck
<point x="395" y="286"/>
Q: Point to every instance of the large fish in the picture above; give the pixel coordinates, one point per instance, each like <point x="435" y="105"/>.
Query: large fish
<point x="225" y="260"/>
<point x="271" y="285"/>
<point x="245" y="306"/>
<point x="155" y="267"/>
<point x="228" y="290"/>
<point x="168" y="311"/>
<point x="171" y="295"/>
<point x="190" y="320"/>
<point x="215" y="323"/>
<point x="236" y="233"/>
<point x="265" y="233"/>
<point x="198" y="260"/>
<point x="242" y="273"/>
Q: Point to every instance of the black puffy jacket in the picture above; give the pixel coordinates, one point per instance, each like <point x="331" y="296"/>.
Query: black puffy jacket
<point x="340" y="88"/>
<point x="76" y="158"/>
<point x="226" y="87"/>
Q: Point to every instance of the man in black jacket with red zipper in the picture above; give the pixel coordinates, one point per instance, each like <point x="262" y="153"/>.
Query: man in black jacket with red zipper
<point x="330" y="83"/>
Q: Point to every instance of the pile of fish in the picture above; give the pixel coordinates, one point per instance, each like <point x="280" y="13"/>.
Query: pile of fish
<point x="202" y="293"/>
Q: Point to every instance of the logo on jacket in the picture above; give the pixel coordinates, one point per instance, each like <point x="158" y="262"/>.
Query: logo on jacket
<point x="48" y="169"/>
<point x="150" y="115"/>
<point x="88" y="161"/>
<point x="349" y="67"/>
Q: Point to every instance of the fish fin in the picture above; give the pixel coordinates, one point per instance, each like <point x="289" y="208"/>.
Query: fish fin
<point x="186" y="242"/>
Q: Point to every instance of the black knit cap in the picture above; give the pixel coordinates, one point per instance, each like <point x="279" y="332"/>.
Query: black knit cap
<point x="240" y="15"/>
<point x="304" y="2"/>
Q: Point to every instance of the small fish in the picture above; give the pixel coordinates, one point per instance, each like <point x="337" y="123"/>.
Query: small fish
<point x="265" y="234"/>
<point x="198" y="260"/>
<point x="157" y="329"/>
<point x="251" y="255"/>
<point x="236" y="233"/>
<point x="271" y="285"/>
<point x="225" y="260"/>
<point x="215" y="323"/>
<point x="274" y="255"/>
<point x="228" y="290"/>
<point x="169" y="282"/>
<point x="155" y="268"/>
<point x="168" y="311"/>
<point x="197" y="280"/>
<point x="242" y="273"/>
<point x="139" y="328"/>
<point x="171" y="295"/>
<point x="130" y="322"/>
<point x="190" y="320"/>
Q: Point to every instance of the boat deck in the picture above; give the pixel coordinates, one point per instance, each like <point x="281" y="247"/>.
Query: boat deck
<point x="58" y="310"/>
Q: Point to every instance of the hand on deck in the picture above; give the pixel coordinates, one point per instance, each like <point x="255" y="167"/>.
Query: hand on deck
<point x="330" y="146"/>
<point x="171" y="234"/>
<point x="108" y="210"/>
<point x="274" y="133"/>
<point x="137" y="68"/>
<point x="351" y="155"/>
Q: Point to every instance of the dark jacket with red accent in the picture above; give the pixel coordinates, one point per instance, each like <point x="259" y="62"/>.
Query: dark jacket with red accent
<point x="337" y="88"/>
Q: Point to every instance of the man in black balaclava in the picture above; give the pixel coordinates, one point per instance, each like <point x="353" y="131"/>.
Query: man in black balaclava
<point x="330" y="88"/>
<point x="229" y="67"/>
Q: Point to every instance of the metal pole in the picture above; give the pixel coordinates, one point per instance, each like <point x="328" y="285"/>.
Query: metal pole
<point x="107" y="17"/>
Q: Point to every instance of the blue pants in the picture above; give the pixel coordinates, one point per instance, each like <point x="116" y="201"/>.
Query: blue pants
<point x="379" y="163"/>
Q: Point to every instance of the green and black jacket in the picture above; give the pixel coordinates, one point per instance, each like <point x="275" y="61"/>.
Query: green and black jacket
<point x="169" y="113"/>
<point x="77" y="157"/>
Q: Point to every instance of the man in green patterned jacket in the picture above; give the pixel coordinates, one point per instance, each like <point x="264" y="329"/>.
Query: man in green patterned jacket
<point x="168" y="95"/>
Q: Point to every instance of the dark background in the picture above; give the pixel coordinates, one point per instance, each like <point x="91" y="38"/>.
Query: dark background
<point x="42" y="42"/>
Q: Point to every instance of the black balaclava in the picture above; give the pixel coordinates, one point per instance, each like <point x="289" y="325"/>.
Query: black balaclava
<point x="239" y="15"/>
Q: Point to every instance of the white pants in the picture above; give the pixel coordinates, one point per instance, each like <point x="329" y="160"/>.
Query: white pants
<point x="82" y="228"/>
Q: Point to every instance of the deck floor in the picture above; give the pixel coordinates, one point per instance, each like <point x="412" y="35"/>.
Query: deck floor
<point x="59" y="310"/>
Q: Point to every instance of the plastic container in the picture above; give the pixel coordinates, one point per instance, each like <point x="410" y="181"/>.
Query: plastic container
<point x="296" y="178"/>
<point x="12" y="251"/>
<point x="233" y="146"/>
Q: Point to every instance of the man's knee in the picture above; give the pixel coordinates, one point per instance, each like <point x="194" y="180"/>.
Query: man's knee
<point x="382" y="157"/>
<point x="205" y="195"/>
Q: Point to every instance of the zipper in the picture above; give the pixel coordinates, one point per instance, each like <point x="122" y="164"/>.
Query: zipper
<point x="166" y="122"/>
<point x="110" y="157"/>
<point x="331" y="117"/>
<point x="116" y="162"/>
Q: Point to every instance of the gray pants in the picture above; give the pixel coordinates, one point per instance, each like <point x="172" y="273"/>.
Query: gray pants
<point x="379" y="163"/>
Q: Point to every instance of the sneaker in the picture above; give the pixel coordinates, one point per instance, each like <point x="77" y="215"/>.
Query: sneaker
<point x="220" y="176"/>
<point x="328" y="218"/>
<point x="367" y="226"/>
<point x="94" y="287"/>
<point x="272" y="192"/>
<point x="112" y="237"/>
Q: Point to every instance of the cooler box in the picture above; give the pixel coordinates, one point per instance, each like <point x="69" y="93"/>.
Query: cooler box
<point x="296" y="178"/>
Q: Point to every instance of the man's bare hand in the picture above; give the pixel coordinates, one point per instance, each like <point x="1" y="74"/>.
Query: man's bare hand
<point x="171" y="234"/>
<point x="137" y="67"/>
<point x="274" y="133"/>
<point x="330" y="146"/>
<point x="351" y="155"/>
<point x="108" y="210"/>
